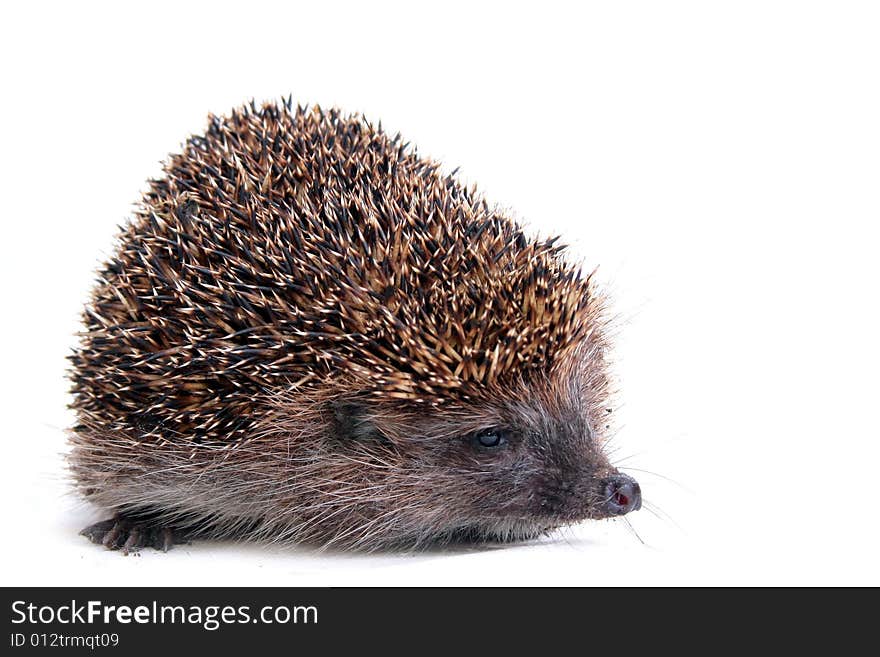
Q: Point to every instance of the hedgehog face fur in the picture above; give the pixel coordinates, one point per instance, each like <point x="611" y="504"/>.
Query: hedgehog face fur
<point x="309" y="334"/>
<point x="507" y="470"/>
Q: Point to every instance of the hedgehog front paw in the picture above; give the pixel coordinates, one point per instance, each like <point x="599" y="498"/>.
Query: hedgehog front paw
<point x="130" y="536"/>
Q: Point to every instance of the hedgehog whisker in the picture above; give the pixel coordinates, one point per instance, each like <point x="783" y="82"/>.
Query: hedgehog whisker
<point x="632" y="529"/>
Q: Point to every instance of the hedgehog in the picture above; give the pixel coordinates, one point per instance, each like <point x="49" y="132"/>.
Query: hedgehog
<point x="308" y="333"/>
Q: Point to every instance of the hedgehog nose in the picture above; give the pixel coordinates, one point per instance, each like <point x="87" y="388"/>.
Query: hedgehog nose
<point x="621" y="494"/>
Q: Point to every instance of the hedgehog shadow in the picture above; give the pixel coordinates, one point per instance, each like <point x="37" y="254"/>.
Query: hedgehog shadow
<point x="428" y="550"/>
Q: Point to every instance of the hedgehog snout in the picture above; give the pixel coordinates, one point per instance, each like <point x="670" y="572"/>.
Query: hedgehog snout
<point x="620" y="494"/>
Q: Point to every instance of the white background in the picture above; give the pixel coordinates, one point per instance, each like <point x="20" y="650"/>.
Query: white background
<point x="719" y="161"/>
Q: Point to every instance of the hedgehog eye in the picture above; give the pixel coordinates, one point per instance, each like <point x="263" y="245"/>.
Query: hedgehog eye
<point x="490" y="439"/>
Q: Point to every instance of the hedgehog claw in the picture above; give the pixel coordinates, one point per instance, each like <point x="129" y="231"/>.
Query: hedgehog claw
<point x="130" y="536"/>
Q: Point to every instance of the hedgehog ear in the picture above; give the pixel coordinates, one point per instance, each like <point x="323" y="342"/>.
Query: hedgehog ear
<point x="352" y="422"/>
